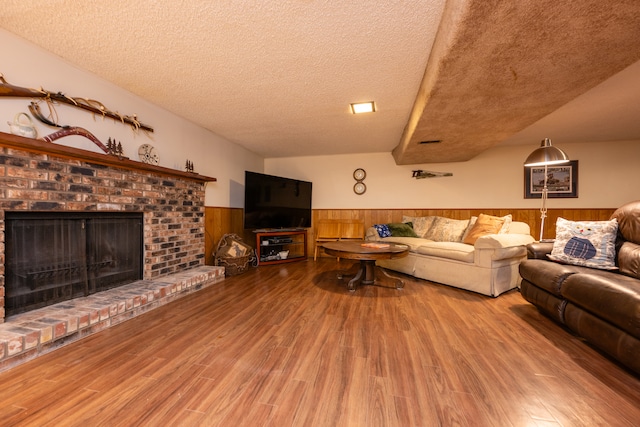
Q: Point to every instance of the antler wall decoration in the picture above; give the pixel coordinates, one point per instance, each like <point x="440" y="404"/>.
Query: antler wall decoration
<point x="95" y="107"/>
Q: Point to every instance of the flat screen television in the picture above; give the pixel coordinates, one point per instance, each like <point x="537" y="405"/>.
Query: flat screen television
<point x="274" y="202"/>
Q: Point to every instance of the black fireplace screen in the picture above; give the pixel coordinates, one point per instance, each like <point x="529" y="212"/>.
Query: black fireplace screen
<point x="54" y="257"/>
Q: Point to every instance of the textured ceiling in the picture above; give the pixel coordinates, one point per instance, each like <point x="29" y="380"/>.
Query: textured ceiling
<point x="499" y="66"/>
<point x="274" y="76"/>
<point x="278" y="77"/>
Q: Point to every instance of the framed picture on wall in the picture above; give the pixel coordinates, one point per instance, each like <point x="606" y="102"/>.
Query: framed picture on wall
<point x="562" y="181"/>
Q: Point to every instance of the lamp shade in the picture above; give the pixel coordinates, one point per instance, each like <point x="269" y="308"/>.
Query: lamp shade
<point x="546" y="154"/>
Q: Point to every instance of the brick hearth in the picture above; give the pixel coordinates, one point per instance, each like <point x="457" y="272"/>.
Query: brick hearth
<point x="37" y="332"/>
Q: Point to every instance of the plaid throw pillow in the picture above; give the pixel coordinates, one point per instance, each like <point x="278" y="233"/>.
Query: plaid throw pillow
<point x="587" y="243"/>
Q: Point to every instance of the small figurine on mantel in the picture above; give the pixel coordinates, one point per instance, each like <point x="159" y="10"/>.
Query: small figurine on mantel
<point x="115" y="148"/>
<point x="189" y="166"/>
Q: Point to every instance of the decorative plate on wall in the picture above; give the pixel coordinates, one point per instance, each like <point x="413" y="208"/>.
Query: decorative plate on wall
<point x="147" y="154"/>
<point x="359" y="175"/>
<point x="359" y="188"/>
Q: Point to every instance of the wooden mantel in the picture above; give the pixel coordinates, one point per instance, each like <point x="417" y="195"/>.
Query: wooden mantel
<point x="38" y="146"/>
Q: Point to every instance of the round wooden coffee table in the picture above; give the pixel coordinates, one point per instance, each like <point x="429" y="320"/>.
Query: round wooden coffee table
<point x="367" y="253"/>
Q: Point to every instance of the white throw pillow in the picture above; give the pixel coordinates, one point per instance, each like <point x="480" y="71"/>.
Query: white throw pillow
<point x="506" y="224"/>
<point x="421" y="224"/>
<point x="447" y="230"/>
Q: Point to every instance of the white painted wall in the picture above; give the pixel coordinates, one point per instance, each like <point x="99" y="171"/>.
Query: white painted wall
<point x="608" y="172"/>
<point x="176" y="139"/>
<point x="609" y="176"/>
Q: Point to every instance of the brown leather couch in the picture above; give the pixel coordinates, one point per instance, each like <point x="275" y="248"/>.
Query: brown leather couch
<point x="601" y="306"/>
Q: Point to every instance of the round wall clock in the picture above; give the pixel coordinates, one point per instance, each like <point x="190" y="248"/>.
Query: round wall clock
<point x="359" y="188"/>
<point x="147" y="154"/>
<point x="359" y="174"/>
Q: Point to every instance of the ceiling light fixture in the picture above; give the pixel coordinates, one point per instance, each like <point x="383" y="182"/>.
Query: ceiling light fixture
<point x="363" y="107"/>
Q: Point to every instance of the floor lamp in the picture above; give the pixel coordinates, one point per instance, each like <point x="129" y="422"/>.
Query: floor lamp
<point x="545" y="155"/>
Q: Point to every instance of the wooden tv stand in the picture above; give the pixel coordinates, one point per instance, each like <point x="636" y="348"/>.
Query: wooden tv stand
<point x="269" y="244"/>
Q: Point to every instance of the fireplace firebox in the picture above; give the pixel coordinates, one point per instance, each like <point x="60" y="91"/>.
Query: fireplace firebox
<point x="52" y="257"/>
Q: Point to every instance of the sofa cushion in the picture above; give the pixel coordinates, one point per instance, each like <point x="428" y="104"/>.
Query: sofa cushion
<point x="371" y="234"/>
<point x="413" y="242"/>
<point x="604" y="335"/>
<point x="401" y="229"/>
<point x="395" y="229"/>
<point x="628" y="217"/>
<point x="383" y="230"/>
<point x="450" y="250"/>
<point x="547" y="275"/>
<point x="610" y="296"/>
<point x="506" y="225"/>
<point x="539" y="250"/>
<point x="518" y="227"/>
<point x="447" y="230"/>
<point x="499" y="241"/>
<point x="486" y="224"/>
<point x="586" y="243"/>
<point x="552" y="305"/>
<point x="472" y="222"/>
<point x="629" y="259"/>
<point x="421" y="224"/>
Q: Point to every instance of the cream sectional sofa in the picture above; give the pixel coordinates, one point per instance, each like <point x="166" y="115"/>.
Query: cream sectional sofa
<point x="489" y="266"/>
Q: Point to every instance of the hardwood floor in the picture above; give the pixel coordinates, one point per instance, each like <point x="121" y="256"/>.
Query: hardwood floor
<point x="289" y="346"/>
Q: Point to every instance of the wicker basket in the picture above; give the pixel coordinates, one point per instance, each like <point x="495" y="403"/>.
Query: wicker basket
<point x="234" y="265"/>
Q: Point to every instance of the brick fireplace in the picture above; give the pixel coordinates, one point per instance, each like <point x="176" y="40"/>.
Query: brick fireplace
<point x="36" y="176"/>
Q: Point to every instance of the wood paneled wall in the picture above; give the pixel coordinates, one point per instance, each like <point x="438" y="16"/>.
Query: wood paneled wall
<point x="529" y="216"/>
<point x="219" y="221"/>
